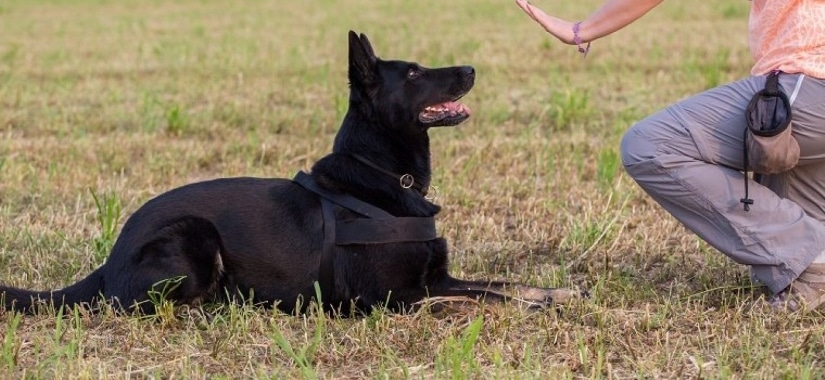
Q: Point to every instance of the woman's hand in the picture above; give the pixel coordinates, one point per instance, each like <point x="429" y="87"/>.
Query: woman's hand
<point x="561" y="29"/>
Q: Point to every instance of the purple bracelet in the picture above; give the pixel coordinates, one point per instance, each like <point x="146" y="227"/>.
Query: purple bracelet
<point x="578" y="40"/>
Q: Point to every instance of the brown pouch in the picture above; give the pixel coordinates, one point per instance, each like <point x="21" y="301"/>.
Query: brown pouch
<point x="769" y="146"/>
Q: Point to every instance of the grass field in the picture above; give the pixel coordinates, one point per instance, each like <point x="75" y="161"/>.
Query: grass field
<point x="104" y="104"/>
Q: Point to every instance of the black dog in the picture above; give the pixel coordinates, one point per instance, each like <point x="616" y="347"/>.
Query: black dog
<point x="359" y="225"/>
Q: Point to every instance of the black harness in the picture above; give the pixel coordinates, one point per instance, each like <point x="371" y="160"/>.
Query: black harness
<point x="375" y="226"/>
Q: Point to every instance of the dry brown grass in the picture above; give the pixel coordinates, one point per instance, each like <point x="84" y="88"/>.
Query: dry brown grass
<point x="127" y="99"/>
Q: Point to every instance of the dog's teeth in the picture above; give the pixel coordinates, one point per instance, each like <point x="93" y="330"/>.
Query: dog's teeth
<point x="450" y="109"/>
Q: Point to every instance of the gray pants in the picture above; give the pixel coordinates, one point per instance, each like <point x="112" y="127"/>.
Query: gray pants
<point x="689" y="156"/>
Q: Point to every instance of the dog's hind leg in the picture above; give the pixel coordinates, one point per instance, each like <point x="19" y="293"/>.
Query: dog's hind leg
<point x="181" y="263"/>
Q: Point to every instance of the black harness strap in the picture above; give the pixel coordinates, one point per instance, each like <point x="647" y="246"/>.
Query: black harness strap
<point x="377" y="227"/>
<point x="340" y="199"/>
<point x="382" y="231"/>
<point x="326" y="270"/>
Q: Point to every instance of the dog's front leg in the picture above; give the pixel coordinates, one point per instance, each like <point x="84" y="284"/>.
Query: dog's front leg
<point x="502" y="291"/>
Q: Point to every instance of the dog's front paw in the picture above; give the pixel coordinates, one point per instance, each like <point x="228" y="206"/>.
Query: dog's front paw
<point x="539" y="298"/>
<point x="566" y="295"/>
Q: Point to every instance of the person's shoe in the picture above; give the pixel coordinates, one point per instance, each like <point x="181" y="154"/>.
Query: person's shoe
<point x="807" y="292"/>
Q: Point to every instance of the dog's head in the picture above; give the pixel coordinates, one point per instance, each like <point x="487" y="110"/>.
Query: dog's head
<point x="406" y="93"/>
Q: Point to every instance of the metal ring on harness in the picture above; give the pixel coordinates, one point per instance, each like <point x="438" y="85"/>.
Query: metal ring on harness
<point x="406" y="181"/>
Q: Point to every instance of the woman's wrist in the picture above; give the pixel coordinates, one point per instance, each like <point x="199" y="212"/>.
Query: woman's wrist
<point x="577" y="39"/>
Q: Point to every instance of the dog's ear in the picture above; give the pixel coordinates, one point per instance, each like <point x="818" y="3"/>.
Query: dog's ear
<point x="361" y="59"/>
<point x="365" y="42"/>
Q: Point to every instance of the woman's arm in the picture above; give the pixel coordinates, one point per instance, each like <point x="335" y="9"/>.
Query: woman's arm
<point x="612" y="16"/>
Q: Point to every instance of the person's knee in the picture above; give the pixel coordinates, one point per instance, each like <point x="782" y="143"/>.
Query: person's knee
<point x="635" y="147"/>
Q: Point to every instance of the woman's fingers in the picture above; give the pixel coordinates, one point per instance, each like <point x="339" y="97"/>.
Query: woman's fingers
<point x="527" y="8"/>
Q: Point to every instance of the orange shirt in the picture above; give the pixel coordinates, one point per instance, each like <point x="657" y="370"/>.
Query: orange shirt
<point x="788" y="35"/>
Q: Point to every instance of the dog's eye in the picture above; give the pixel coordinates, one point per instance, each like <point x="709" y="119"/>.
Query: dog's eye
<point x="413" y="73"/>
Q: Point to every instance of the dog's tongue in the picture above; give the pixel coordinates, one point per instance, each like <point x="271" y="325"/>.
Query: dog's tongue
<point x="457" y="108"/>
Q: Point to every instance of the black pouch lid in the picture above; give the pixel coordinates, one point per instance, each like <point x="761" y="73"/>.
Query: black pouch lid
<point x="769" y="111"/>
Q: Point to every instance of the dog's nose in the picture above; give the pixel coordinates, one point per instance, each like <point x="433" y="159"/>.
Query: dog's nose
<point x="468" y="70"/>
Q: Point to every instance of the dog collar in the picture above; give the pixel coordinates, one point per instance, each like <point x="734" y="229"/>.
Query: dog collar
<point x="406" y="181"/>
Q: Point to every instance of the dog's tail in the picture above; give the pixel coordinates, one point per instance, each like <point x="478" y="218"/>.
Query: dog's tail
<point x="86" y="291"/>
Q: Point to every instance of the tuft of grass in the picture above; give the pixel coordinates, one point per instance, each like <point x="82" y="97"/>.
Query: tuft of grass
<point x="608" y="168"/>
<point x="176" y="122"/>
<point x="108" y="218"/>
<point x="303" y="358"/>
<point x="67" y="339"/>
<point x="159" y="298"/>
<point x="569" y="108"/>
<point x="457" y="358"/>
<point x="10" y="351"/>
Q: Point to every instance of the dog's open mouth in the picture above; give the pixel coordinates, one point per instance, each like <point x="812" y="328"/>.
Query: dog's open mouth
<point x="444" y="114"/>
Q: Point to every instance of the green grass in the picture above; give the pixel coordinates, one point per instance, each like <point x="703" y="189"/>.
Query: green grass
<point x="105" y="104"/>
